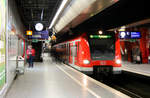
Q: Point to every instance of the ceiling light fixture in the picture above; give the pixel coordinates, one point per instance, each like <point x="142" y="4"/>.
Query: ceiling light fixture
<point x="64" y="2"/>
<point x="42" y="14"/>
<point x="100" y="32"/>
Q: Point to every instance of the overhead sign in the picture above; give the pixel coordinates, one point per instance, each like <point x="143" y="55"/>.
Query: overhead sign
<point x="35" y="40"/>
<point x="36" y="36"/>
<point x="100" y="36"/>
<point x="40" y="35"/>
<point x="135" y="35"/>
<point x="129" y="35"/>
<point x="29" y="32"/>
<point x="45" y="34"/>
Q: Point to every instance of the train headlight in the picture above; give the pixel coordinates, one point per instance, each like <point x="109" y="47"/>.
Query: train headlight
<point x="118" y="61"/>
<point x="86" y="61"/>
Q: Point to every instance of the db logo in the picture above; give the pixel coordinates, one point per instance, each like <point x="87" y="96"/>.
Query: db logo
<point x="102" y="63"/>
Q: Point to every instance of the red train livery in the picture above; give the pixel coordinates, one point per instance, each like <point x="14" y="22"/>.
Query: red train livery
<point x="92" y="52"/>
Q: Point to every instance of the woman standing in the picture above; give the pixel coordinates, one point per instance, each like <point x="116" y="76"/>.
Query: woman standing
<point x="30" y="55"/>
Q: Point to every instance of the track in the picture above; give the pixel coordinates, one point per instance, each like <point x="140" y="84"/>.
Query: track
<point x="134" y="85"/>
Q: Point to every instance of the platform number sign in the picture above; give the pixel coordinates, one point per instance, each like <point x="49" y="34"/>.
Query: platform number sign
<point x="2" y="44"/>
<point x="129" y="35"/>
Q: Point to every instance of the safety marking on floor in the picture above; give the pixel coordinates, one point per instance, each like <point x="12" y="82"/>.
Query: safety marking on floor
<point x="100" y="84"/>
<point x="89" y="90"/>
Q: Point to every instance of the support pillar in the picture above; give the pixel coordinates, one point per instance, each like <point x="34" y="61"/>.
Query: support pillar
<point x="143" y="45"/>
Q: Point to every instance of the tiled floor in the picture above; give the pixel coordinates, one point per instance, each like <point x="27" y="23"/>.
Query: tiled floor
<point x="44" y="81"/>
<point x="50" y="80"/>
<point x="143" y="69"/>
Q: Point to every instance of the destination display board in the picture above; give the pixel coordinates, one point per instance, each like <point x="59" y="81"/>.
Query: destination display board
<point x="129" y="35"/>
<point x="40" y="35"/>
<point x="100" y="36"/>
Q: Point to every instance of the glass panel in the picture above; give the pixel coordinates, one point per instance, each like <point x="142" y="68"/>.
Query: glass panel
<point x="74" y="51"/>
<point x="102" y="49"/>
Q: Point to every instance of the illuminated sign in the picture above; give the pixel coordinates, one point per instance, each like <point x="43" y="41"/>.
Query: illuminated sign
<point x="53" y="37"/>
<point x="100" y="36"/>
<point x="36" y="36"/>
<point x="135" y="35"/>
<point x="29" y="32"/>
<point x="40" y="35"/>
<point x="129" y="35"/>
<point x="124" y="35"/>
<point x="34" y="40"/>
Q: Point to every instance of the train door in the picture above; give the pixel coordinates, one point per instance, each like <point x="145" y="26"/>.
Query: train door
<point x="73" y="53"/>
<point x="76" y="52"/>
<point x="70" y="57"/>
<point x="67" y="53"/>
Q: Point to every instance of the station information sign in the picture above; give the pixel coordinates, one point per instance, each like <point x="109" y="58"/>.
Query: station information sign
<point x="29" y="32"/>
<point x="100" y="36"/>
<point x="135" y="35"/>
<point x="40" y="35"/>
<point x="129" y="35"/>
<point x="35" y="40"/>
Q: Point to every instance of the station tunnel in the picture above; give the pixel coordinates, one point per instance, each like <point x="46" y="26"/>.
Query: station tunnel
<point x="109" y="37"/>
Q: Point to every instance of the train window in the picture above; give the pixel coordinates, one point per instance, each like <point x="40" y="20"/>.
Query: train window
<point x="102" y="49"/>
<point x="74" y="51"/>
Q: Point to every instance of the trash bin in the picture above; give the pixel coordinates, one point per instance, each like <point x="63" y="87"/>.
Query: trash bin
<point x="20" y="66"/>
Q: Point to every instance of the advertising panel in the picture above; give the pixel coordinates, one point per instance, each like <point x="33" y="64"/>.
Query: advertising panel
<point x="2" y="44"/>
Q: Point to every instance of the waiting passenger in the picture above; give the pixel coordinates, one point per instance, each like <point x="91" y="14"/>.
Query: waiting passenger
<point x="30" y="55"/>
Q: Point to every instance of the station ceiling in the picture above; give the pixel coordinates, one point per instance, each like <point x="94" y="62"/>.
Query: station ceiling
<point x="122" y="13"/>
<point x="34" y="11"/>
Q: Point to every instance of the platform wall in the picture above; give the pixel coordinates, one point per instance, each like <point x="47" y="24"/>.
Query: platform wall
<point x="14" y="27"/>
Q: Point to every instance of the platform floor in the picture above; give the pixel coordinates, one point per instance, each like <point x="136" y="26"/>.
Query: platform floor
<point x="143" y="69"/>
<point x="51" y="80"/>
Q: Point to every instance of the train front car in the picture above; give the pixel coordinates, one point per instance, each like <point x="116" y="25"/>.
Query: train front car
<point x="105" y="53"/>
<point x="91" y="52"/>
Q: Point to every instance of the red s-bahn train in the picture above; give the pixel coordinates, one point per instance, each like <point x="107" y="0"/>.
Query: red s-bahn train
<point x="92" y="52"/>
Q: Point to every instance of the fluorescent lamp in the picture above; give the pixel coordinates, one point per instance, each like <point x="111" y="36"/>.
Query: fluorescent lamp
<point x="58" y="12"/>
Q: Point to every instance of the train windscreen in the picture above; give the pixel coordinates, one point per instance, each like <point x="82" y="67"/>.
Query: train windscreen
<point x="102" y="47"/>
